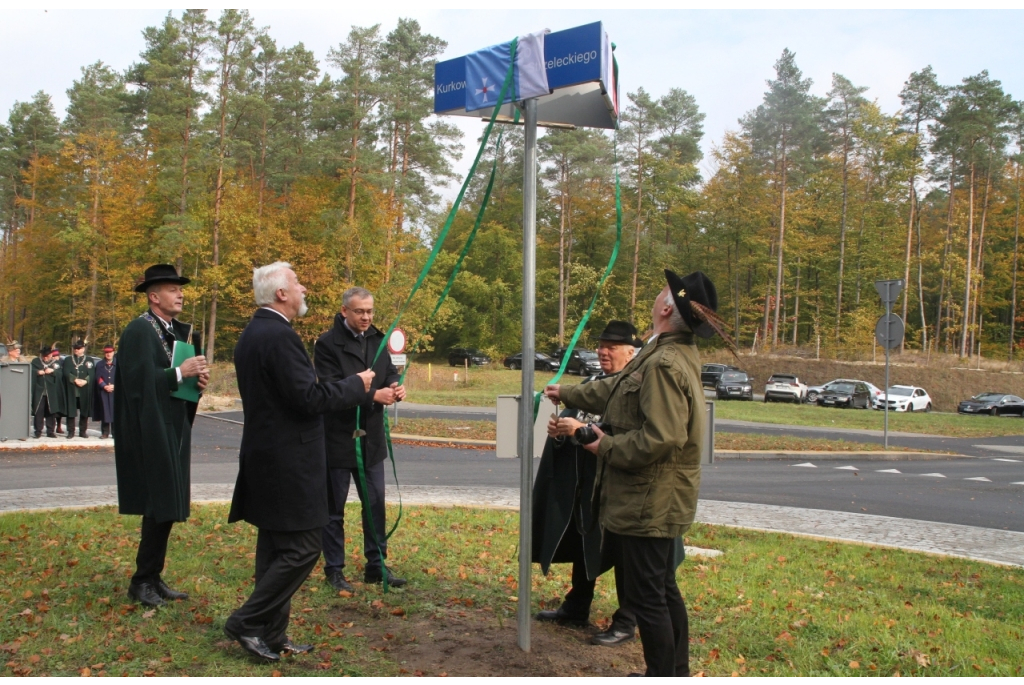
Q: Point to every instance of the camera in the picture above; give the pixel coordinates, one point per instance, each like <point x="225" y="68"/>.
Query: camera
<point x="585" y="434"/>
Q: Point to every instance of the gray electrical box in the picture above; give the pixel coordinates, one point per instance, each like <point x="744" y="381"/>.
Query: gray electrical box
<point x="15" y="400"/>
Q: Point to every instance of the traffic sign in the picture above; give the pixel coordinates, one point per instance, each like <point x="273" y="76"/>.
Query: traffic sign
<point x="889" y="291"/>
<point x="396" y="343"/>
<point x="889" y="331"/>
<point x="400" y="359"/>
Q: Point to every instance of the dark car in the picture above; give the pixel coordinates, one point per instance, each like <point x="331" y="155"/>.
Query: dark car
<point x="710" y="374"/>
<point x="459" y="356"/>
<point x="542" y="362"/>
<point x="993" y="403"/>
<point x="735" y="385"/>
<point x="848" y="395"/>
<point x="581" y="362"/>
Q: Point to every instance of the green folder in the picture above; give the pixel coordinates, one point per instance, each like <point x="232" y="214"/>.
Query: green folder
<point x="188" y="389"/>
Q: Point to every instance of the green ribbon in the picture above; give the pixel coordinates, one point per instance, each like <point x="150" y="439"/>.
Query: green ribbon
<point x="360" y="462"/>
<point x="600" y="286"/>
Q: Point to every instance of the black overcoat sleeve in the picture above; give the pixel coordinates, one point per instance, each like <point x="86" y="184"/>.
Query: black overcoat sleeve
<point x="294" y="377"/>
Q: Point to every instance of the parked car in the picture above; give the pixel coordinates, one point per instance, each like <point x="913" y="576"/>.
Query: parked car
<point x="847" y="394"/>
<point x="711" y="373"/>
<point x="458" y="356"/>
<point x="542" y="362"/>
<point x="735" y="385"/>
<point x="905" y="398"/>
<point x="814" y="391"/>
<point x="582" y="362"/>
<point x="993" y="403"/>
<point x="784" y="387"/>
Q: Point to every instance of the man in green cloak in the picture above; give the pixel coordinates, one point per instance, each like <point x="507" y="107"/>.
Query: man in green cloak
<point x="47" y="394"/>
<point x="153" y="429"/>
<point x="78" y="371"/>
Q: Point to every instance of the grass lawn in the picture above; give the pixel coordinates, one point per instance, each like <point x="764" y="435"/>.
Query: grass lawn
<point x="771" y="605"/>
<point x="951" y="425"/>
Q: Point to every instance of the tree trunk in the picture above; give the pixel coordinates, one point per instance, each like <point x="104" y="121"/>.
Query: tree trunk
<point x="906" y="270"/>
<point x="967" y="269"/>
<point x="218" y="201"/>
<point x="561" y="260"/>
<point x="945" y="255"/>
<point x="979" y="265"/>
<point x="636" y="238"/>
<point x="1013" y="287"/>
<point x="920" y="289"/>
<point x="842" y="237"/>
<point x="796" y="305"/>
<point x="782" y="237"/>
<point x="94" y="268"/>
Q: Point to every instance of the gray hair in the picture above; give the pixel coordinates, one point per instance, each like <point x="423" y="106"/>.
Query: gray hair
<point x="357" y="292"/>
<point x="675" y="319"/>
<point x="267" y="280"/>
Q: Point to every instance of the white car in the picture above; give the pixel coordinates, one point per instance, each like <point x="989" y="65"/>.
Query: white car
<point x="905" y="398"/>
<point x="784" y="387"/>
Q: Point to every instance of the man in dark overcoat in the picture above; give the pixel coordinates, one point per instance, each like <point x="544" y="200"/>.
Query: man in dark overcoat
<point x="153" y="429"/>
<point x="47" y="391"/>
<point x="341" y="352"/>
<point x="564" y="529"/>
<point x="103" y="391"/>
<point x="282" y="470"/>
<point x="78" y="371"/>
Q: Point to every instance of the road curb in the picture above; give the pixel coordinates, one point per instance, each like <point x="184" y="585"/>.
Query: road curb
<point x="780" y="455"/>
<point x="404" y="437"/>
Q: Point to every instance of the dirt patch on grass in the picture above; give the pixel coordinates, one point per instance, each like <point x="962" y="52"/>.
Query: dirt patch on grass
<point x="473" y="642"/>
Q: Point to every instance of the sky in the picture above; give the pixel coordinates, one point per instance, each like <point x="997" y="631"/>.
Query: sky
<point x="722" y="57"/>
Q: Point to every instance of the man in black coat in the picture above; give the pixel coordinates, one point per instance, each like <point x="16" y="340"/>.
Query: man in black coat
<point x="563" y="527"/>
<point x="47" y="393"/>
<point x="103" y="400"/>
<point x="341" y="352"/>
<point x="282" y="475"/>
<point x="78" y="378"/>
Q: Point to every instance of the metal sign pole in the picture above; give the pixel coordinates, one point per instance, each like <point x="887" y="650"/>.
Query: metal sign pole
<point x="526" y="401"/>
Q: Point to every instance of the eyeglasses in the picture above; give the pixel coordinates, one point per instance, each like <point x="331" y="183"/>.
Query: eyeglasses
<point x="362" y="312"/>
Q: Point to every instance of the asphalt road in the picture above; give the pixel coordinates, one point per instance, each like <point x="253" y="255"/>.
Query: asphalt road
<point x="985" y="491"/>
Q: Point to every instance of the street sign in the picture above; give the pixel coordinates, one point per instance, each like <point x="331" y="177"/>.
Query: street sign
<point x="396" y="343"/>
<point x="400" y="359"/>
<point x="889" y="331"/>
<point x="889" y="291"/>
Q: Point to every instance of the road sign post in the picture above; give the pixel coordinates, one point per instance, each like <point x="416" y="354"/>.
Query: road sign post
<point x="889" y="333"/>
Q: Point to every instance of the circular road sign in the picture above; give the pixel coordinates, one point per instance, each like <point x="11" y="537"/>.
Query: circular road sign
<point x="396" y="343"/>
<point x="889" y="331"/>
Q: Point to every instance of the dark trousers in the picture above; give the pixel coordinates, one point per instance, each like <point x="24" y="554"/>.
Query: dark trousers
<point x="73" y="410"/>
<point x="105" y="429"/>
<point x="581" y="595"/>
<point x="43" y="414"/>
<point x="152" y="554"/>
<point x="650" y="591"/>
<point x="283" y="562"/>
<point x="334" y="531"/>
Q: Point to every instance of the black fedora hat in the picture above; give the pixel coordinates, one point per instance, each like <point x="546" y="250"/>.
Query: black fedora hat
<point x="620" y="332"/>
<point x="160" y="273"/>
<point x="78" y="344"/>
<point x="45" y="351"/>
<point x="695" y="288"/>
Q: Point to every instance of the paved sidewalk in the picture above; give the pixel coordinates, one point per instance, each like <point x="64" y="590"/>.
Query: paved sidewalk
<point x="969" y="542"/>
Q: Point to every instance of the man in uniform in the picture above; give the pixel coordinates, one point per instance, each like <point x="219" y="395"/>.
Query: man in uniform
<point x="648" y="472"/>
<point x="78" y="379"/>
<point x="47" y="394"/>
<point x="103" y="402"/>
<point x="341" y="352"/>
<point x="13" y="352"/>
<point x="153" y="429"/>
<point x="563" y="527"/>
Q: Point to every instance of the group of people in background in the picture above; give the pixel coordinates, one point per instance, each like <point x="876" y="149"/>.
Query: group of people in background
<point x="73" y="388"/>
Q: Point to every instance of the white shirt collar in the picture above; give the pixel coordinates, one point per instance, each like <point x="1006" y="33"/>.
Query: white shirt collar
<point x="271" y="309"/>
<point x="355" y="333"/>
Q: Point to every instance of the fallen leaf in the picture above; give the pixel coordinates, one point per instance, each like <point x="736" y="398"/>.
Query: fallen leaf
<point x="855" y="664"/>
<point x="35" y="659"/>
<point x="784" y="635"/>
<point x="149" y="614"/>
<point x="344" y="593"/>
<point x="398" y="611"/>
<point x="377" y="604"/>
<point x="85" y="672"/>
<point x="275" y="674"/>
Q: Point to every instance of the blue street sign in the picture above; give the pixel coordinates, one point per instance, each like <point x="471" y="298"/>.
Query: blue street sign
<point x="580" y="74"/>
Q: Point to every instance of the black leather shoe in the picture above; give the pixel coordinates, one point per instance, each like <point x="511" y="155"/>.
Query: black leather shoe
<point x="168" y="593"/>
<point x="339" y="582"/>
<point x="254" y="645"/>
<point x="51" y="435"/>
<point x="562" y="617"/>
<point x="378" y="578"/>
<point x="37" y="435"/>
<point x="613" y="636"/>
<point x="290" y="646"/>
<point x="145" y="594"/>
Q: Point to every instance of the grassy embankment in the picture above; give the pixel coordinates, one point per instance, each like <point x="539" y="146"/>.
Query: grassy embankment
<point x="771" y="605"/>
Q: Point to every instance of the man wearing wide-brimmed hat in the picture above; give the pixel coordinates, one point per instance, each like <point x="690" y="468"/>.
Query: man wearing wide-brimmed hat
<point x="47" y="393"/>
<point x="564" y="530"/>
<point x="78" y="371"/>
<point x="153" y="429"/>
<point x="648" y="462"/>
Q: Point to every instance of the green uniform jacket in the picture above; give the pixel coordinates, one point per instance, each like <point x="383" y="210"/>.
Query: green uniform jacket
<point x="85" y="370"/>
<point x="648" y="470"/>
<point x="152" y="430"/>
<point x="48" y="385"/>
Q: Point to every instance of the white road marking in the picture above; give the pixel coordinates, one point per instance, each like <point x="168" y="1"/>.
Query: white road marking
<point x="1016" y="461"/>
<point x="1010" y="449"/>
<point x="981" y="478"/>
<point x="807" y="464"/>
<point x="933" y="475"/>
<point x="847" y="468"/>
<point x="1018" y="483"/>
<point x="888" y="471"/>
